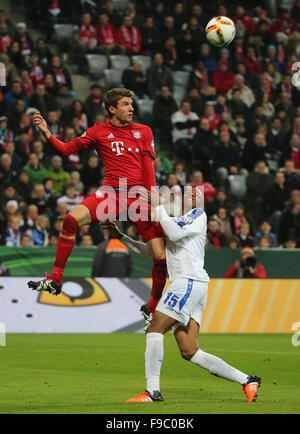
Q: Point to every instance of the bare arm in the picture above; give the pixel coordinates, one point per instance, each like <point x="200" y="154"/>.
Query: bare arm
<point x="136" y="246"/>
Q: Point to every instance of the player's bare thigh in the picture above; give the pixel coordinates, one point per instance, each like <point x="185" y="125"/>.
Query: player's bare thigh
<point x="81" y="214"/>
<point x="187" y="339"/>
<point x="157" y="248"/>
<point x="161" y="323"/>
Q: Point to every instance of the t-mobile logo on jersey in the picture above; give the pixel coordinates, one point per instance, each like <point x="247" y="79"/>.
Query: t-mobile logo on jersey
<point x="117" y="147"/>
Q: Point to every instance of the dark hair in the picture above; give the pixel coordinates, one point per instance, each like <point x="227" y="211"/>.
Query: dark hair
<point x="113" y="96"/>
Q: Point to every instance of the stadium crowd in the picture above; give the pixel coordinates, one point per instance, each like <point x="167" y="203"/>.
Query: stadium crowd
<point x="236" y="131"/>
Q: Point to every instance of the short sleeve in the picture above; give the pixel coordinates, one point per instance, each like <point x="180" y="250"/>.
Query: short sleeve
<point x="148" y="144"/>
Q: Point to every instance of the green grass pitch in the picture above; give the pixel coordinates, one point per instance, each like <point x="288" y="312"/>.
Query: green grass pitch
<point x="97" y="373"/>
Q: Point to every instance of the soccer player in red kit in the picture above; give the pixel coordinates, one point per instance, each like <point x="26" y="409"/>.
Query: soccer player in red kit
<point x="127" y="152"/>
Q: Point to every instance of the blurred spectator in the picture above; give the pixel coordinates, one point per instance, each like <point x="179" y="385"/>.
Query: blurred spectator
<point x="163" y="108"/>
<point x="245" y="236"/>
<point x="170" y="53"/>
<point x="129" y="37"/>
<point x="160" y="175"/>
<point x="265" y="231"/>
<point x="13" y="233"/>
<point x="23" y="37"/>
<point x="43" y="52"/>
<point x="5" y="38"/>
<point x="7" y="174"/>
<point x="233" y="242"/>
<point x="258" y="183"/>
<point x="223" y="77"/>
<point x="227" y="157"/>
<point x="25" y="240"/>
<point x="16" y="160"/>
<point x="59" y="176"/>
<point x="179" y="169"/>
<point x="214" y="235"/>
<point x="5" y="133"/>
<point x="220" y="200"/>
<point x="71" y="197"/>
<point x="86" y="240"/>
<point x="203" y="146"/>
<point x="207" y="188"/>
<point x="60" y="73"/>
<point x="187" y="50"/>
<point x="76" y="180"/>
<point x="31" y="216"/>
<point x="91" y="172"/>
<point x="36" y="172"/>
<point x="224" y="222"/>
<point x="93" y="103"/>
<point x="41" y="100"/>
<point x="151" y="40"/>
<point x="16" y="93"/>
<point x="184" y="123"/>
<point x="246" y="267"/>
<point x="24" y="186"/>
<point x="108" y="252"/>
<point x="133" y="78"/>
<point x="39" y="232"/>
<point x="158" y="75"/>
<point x="290" y="220"/>
<point x="106" y="35"/>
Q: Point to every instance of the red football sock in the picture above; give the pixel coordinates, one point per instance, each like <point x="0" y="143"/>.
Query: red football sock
<point x="159" y="274"/>
<point x="64" y="247"/>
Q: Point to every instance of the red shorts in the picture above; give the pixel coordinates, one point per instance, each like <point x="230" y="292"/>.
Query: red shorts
<point x="114" y="205"/>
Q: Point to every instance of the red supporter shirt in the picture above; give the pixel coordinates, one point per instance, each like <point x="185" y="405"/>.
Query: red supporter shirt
<point x="121" y="150"/>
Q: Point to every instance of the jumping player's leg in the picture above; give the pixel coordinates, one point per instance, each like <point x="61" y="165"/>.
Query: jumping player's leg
<point x="79" y="216"/>
<point x="159" y="271"/>
<point x="83" y="214"/>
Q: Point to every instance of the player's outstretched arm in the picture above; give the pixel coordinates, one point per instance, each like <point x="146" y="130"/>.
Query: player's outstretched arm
<point x="63" y="148"/>
<point x="136" y="246"/>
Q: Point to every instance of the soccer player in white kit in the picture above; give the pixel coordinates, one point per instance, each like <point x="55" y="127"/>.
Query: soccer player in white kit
<point x="182" y="305"/>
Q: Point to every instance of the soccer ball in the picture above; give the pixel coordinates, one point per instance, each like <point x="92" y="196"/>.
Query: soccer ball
<point x="220" y="31"/>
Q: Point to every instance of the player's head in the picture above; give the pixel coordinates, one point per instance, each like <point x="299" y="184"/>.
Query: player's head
<point x="193" y="198"/>
<point x="118" y="103"/>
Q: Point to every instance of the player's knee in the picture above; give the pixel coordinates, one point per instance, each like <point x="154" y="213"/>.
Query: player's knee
<point x="186" y="353"/>
<point x="70" y="225"/>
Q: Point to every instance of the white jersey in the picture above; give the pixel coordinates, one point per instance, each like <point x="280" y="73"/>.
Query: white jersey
<point x="185" y="248"/>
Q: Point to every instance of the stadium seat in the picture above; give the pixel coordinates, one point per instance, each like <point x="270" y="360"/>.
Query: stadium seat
<point x="181" y="78"/>
<point x="145" y="60"/>
<point x="113" y="77"/>
<point x="119" y="61"/>
<point x="63" y="35"/>
<point x="237" y="186"/>
<point x="96" y="64"/>
<point x="145" y="110"/>
<point x="63" y="31"/>
<point x="178" y="94"/>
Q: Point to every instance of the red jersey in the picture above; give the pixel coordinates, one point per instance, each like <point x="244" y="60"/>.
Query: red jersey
<point x="121" y="150"/>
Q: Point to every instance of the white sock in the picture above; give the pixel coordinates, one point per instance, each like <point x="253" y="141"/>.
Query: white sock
<point x="218" y="367"/>
<point x="154" y="356"/>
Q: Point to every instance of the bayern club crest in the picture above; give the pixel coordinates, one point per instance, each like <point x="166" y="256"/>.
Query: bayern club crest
<point x="136" y="134"/>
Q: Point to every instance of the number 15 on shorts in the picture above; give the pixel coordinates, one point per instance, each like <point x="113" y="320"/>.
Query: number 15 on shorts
<point x="171" y="299"/>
